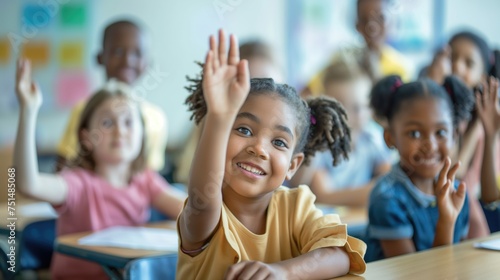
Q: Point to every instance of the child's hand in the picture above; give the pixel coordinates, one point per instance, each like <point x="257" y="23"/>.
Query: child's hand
<point x="449" y="200"/>
<point x="226" y="81"/>
<point x="255" y="270"/>
<point x="27" y="91"/>
<point x="487" y="107"/>
<point x="441" y="65"/>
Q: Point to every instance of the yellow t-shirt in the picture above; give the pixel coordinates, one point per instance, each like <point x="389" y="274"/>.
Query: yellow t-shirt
<point x="155" y="127"/>
<point x="391" y="63"/>
<point x="294" y="227"/>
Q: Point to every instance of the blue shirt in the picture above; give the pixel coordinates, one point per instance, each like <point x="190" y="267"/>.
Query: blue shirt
<point x="399" y="210"/>
<point x="369" y="153"/>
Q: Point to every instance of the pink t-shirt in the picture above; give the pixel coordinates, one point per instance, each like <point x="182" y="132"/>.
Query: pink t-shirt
<point x="93" y="204"/>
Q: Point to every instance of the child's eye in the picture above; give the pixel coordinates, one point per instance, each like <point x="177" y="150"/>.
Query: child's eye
<point x="280" y="143"/>
<point x="244" y="131"/>
<point x="128" y="122"/>
<point x="415" y="134"/>
<point x="107" y="123"/>
<point x="442" y="133"/>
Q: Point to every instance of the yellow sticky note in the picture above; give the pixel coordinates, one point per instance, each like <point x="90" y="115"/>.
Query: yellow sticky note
<point x="4" y="51"/>
<point x="71" y="54"/>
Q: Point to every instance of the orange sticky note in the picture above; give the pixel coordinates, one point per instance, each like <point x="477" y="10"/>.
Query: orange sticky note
<point x="4" y="51"/>
<point x="71" y="54"/>
<point x="37" y="51"/>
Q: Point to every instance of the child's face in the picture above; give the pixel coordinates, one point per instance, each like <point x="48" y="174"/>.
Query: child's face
<point x="115" y="132"/>
<point x="123" y="54"/>
<point x="260" y="149"/>
<point x="466" y="62"/>
<point x="371" y="22"/>
<point x="353" y="95"/>
<point x="422" y="131"/>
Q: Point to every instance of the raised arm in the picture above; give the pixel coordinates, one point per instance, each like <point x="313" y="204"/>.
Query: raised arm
<point x="225" y="87"/>
<point x="449" y="201"/>
<point x="489" y="113"/>
<point x="47" y="187"/>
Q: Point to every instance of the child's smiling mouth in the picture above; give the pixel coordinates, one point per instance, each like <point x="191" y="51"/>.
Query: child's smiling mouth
<point x="251" y="168"/>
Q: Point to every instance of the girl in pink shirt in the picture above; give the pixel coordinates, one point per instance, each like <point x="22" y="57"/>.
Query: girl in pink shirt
<point x="107" y="185"/>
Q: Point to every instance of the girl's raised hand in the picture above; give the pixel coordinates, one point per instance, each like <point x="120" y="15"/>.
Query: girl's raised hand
<point x="488" y="107"/>
<point x="449" y="200"/>
<point x="27" y="91"/>
<point x="226" y="81"/>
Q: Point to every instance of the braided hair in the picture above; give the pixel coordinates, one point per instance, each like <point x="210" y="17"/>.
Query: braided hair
<point x="320" y="122"/>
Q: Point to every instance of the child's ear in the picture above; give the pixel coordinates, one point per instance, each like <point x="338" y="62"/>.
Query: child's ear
<point x="388" y="138"/>
<point x="99" y="58"/>
<point x="295" y="163"/>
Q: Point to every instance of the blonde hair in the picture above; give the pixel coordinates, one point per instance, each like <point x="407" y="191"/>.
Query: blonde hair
<point x="343" y="68"/>
<point x="112" y="89"/>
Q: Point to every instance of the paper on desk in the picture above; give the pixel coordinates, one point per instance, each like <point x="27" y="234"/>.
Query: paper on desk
<point x="134" y="238"/>
<point x="38" y="209"/>
<point x="490" y="244"/>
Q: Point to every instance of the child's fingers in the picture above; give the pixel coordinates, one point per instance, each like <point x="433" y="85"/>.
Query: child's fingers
<point x="453" y="172"/>
<point x="215" y="57"/>
<point x="493" y="90"/>
<point x="234" y="51"/>
<point x="208" y="67"/>
<point x="444" y="171"/>
<point x="222" y="48"/>
<point x="243" y="75"/>
<point x="479" y="100"/>
<point x="461" y="190"/>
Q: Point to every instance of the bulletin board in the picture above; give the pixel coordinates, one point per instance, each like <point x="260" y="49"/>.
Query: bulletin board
<point x="55" y="36"/>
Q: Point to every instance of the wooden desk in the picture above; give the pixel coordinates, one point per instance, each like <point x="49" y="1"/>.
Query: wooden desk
<point x="112" y="259"/>
<point x="460" y="261"/>
<point x="348" y="215"/>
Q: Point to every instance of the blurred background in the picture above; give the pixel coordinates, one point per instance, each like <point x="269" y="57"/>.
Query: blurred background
<point x="62" y="37"/>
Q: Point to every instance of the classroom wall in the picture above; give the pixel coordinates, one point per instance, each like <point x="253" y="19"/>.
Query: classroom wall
<point x="179" y="32"/>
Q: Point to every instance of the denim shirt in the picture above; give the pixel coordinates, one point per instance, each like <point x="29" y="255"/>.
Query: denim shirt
<point x="399" y="210"/>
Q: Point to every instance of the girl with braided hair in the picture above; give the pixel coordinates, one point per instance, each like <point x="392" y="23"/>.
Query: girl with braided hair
<point x="418" y="204"/>
<point x="238" y="221"/>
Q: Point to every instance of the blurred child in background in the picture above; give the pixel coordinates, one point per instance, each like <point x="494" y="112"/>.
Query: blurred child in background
<point x="376" y="56"/>
<point x="468" y="57"/>
<point x="107" y="183"/>
<point x="350" y="182"/>
<point x="123" y="57"/>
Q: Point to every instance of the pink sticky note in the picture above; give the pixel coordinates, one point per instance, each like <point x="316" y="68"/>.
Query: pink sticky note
<point x="71" y="87"/>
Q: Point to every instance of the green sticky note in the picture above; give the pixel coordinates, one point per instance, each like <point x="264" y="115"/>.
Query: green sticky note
<point x="73" y="15"/>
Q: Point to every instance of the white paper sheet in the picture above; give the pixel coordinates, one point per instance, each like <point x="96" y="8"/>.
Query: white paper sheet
<point x="38" y="209"/>
<point x="490" y="244"/>
<point x="134" y="238"/>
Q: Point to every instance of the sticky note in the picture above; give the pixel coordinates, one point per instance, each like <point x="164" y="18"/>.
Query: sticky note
<point x="71" y="87"/>
<point x="37" y="15"/>
<point x="37" y="51"/>
<point x="4" y="50"/>
<point x="71" y="54"/>
<point x="73" y="15"/>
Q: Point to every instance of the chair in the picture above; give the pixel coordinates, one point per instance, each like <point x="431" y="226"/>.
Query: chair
<point x="35" y="248"/>
<point x="161" y="267"/>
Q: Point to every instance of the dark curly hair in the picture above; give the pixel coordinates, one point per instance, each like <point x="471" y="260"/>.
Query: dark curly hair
<point x="320" y="122"/>
<point x="389" y="93"/>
